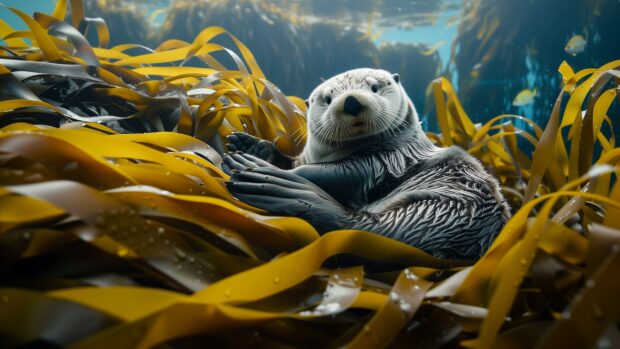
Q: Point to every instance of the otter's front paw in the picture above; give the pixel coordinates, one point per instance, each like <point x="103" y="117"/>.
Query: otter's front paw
<point x="242" y="161"/>
<point x="284" y="193"/>
<point x="248" y="144"/>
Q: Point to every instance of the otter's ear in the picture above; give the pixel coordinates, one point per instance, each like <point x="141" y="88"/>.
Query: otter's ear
<point x="396" y="77"/>
<point x="307" y="101"/>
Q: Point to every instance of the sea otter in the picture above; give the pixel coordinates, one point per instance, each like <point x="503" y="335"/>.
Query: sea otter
<point x="368" y="165"/>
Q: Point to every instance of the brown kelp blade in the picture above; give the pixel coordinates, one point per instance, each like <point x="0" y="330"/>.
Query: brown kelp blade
<point x="136" y="233"/>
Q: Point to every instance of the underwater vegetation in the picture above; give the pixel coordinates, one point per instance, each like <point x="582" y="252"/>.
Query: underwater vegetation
<point x="504" y="47"/>
<point x="116" y="230"/>
<point x="277" y="37"/>
<point x="125" y="21"/>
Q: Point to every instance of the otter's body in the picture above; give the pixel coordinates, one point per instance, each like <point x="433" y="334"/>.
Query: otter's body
<point x="368" y="165"/>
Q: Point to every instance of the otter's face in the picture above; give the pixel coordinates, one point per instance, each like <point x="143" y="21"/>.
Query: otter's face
<point x="357" y="104"/>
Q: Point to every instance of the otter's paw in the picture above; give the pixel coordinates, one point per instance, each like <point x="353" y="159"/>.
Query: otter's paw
<point x="249" y="144"/>
<point x="284" y="193"/>
<point x="242" y="161"/>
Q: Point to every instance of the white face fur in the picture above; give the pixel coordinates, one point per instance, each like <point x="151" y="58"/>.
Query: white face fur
<point x="382" y="106"/>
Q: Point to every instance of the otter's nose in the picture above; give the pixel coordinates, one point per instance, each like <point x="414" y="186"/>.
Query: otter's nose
<point x="352" y="106"/>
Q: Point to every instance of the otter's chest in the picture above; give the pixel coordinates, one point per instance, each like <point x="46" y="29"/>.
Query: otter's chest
<point x="358" y="182"/>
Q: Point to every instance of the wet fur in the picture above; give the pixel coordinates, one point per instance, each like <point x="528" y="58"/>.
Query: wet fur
<point x="393" y="182"/>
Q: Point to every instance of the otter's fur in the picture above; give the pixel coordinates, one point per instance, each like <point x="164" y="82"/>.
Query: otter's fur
<point x="368" y="165"/>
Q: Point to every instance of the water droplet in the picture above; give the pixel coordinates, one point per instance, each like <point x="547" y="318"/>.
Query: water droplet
<point x="179" y="266"/>
<point x="404" y="306"/>
<point x="192" y="259"/>
<point x="160" y="230"/>
<point x="123" y="251"/>
<point x="276" y="280"/>
<point x="168" y="173"/>
<point x="113" y="227"/>
<point x="366" y="329"/>
<point x="167" y="242"/>
<point x="410" y="275"/>
<point x="227" y="293"/>
<point x="150" y="240"/>
<point x="394" y="297"/>
<point x="26" y="235"/>
<point x="416" y="288"/>
<point x="523" y="261"/>
<point x="180" y="253"/>
<point x="590" y="283"/>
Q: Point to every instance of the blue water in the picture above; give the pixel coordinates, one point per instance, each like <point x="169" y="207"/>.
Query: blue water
<point x="27" y="6"/>
<point x="428" y="35"/>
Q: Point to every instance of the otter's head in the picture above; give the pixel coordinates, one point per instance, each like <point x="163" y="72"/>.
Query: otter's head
<point x="358" y="104"/>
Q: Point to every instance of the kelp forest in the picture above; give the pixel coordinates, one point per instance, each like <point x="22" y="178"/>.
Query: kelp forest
<point x="117" y="230"/>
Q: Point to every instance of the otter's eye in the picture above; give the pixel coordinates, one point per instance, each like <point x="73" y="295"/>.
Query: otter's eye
<point x="374" y="88"/>
<point x="328" y="99"/>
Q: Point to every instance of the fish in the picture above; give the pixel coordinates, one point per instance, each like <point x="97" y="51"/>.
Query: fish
<point x="575" y="45"/>
<point x="475" y="70"/>
<point x="525" y="97"/>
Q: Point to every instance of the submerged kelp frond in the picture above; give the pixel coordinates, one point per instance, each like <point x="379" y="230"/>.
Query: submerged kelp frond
<point x="495" y="55"/>
<point x="134" y="92"/>
<point x="298" y="51"/>
<point x="116" y="240"/>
